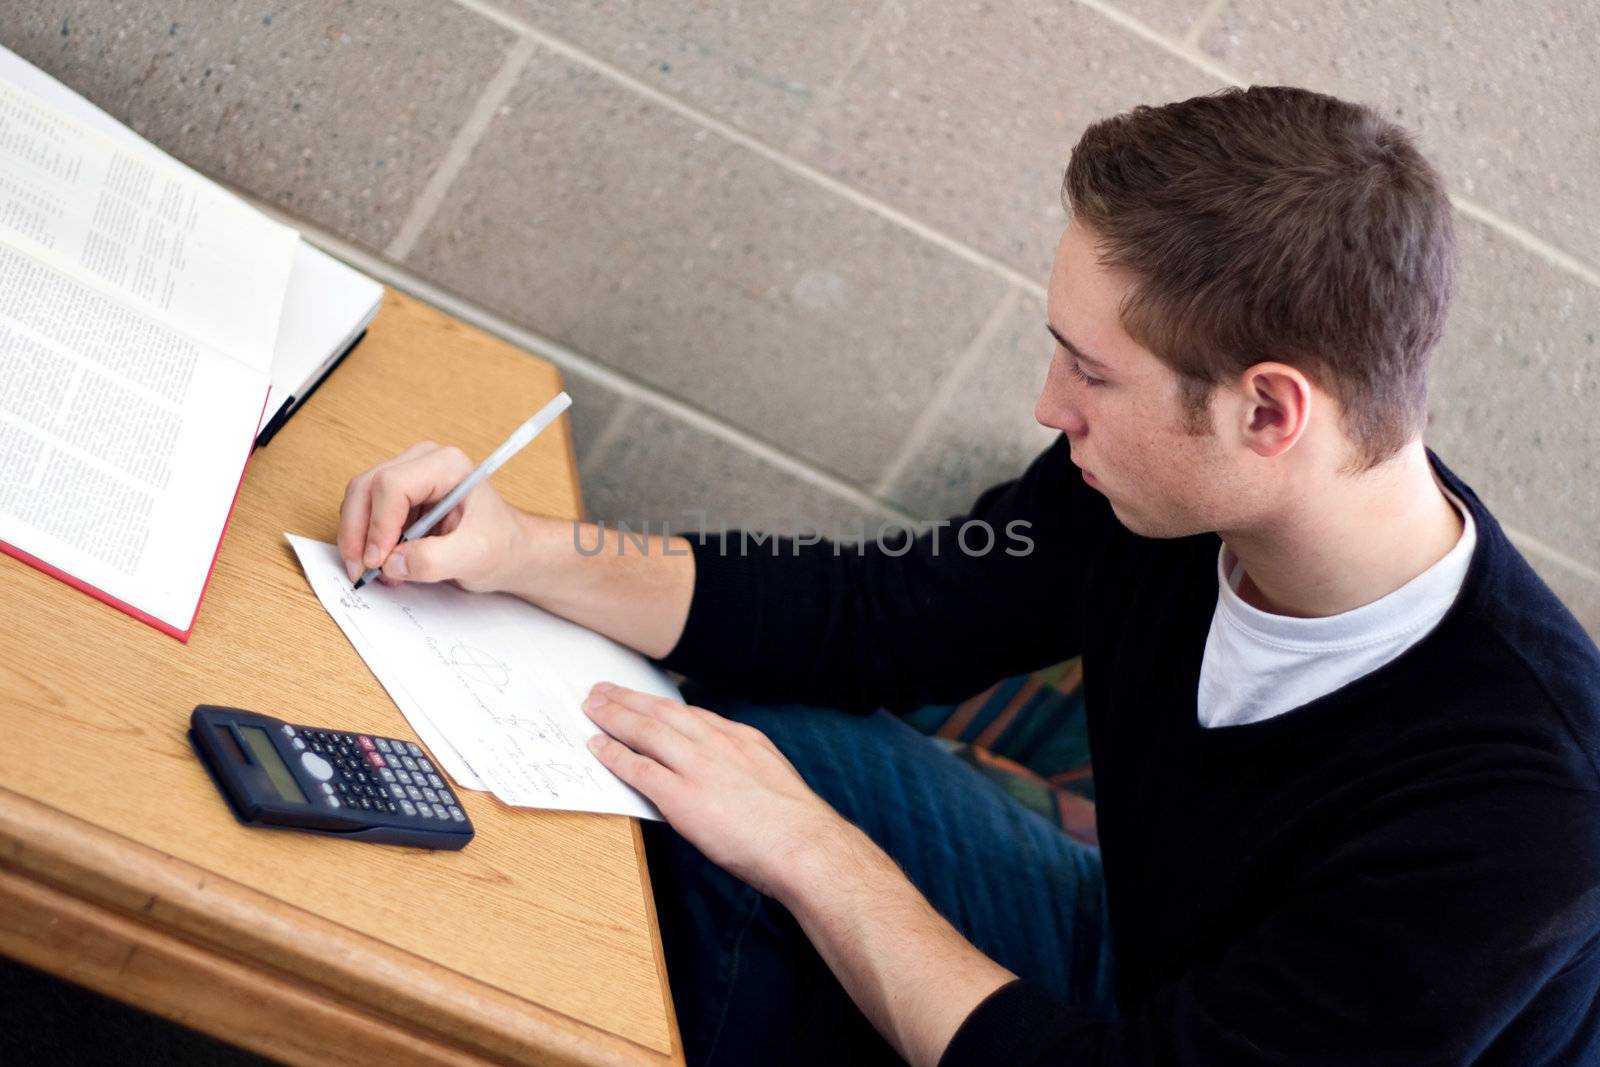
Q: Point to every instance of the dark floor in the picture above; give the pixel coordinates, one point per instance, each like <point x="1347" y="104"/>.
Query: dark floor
<point x="46" y="1021"/>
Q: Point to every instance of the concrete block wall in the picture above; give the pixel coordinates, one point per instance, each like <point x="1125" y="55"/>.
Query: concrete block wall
<point x="791" y="255"/>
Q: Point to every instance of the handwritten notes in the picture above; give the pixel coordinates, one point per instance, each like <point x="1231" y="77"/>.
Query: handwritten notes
<point x="491" y="684"/>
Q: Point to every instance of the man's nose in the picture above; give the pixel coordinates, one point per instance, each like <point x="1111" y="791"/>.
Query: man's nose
<point x="1059" y="413"/>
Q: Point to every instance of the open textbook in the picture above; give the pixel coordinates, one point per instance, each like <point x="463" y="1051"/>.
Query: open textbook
<point x="139" y="310"/>
<point x="492" y="685"/>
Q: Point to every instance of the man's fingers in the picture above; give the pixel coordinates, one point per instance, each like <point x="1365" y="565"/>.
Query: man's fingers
<point x="641" y="772"/>
<point x="434" y="558"/>
<point x="397" y="488"/>
<point x="645" y="734"/>
<point x="675" y="713"/>
<point x="356" y="509"/>
<point x="698" y="721"/>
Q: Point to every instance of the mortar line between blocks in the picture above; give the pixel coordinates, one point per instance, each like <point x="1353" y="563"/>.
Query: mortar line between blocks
<point x="824" y="101"/>
<point x="732" y="133"/>
<point x="461" y="147"/>
<point x="948" y="388"/>
<point x="1202" y="22"/>
<point x="1554" y="555"/>
<point x="569" y="361"/>
<point x="608" y="435"/>
<point x="1181" y="50"/>
<point x="1527" y="239"/>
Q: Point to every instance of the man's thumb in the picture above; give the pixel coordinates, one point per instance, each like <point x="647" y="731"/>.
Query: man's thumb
<point x="424" y="560"/>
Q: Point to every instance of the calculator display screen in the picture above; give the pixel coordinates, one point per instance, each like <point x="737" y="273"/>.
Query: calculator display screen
<point x="261" y="747"/>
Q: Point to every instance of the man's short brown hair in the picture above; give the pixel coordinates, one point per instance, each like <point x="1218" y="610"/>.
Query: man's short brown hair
<point x="1274" y="223"/>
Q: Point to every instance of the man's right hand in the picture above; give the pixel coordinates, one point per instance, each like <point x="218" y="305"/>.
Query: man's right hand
<point x="474" y="546"/>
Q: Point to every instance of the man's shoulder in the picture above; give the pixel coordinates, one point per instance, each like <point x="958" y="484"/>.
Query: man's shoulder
<point x="1519" y="650"/>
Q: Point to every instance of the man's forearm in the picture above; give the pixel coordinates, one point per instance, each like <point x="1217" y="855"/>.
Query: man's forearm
<point x="913" y="975"/>
<point x="638" y="596"/>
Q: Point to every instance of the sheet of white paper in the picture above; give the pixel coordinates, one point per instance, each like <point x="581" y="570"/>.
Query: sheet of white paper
<point x="496" y="680"/>
<point x="153" y="234"/>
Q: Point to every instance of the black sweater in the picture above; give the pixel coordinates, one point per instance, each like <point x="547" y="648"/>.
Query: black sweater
<point x="1405" y="870"/>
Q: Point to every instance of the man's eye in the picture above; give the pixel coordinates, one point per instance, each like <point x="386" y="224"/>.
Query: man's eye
<point x="1077" y="372"/>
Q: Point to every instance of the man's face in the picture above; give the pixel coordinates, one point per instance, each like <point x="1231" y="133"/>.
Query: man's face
<point x="1127" y="426"/>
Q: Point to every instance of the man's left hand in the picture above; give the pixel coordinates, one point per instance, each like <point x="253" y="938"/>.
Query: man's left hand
<point x="721" y="784"/>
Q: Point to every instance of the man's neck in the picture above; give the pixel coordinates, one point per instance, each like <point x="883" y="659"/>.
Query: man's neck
<point x="1354" y="541"/>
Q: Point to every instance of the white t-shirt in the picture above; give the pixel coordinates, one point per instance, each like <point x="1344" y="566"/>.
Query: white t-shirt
<point x="1257" y="664"/>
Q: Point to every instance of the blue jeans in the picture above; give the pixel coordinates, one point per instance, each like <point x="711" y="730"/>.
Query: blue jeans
<point x="748" y="986"/>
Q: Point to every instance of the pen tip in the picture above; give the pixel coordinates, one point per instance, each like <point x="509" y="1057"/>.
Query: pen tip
<point x="359" y="583"/>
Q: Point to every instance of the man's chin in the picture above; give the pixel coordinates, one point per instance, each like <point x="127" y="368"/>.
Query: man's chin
<point x="1155" y="530"/>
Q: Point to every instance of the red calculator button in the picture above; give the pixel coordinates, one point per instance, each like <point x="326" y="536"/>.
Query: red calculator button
<point x="366" y="743"/>
<point x="375" y="759"/>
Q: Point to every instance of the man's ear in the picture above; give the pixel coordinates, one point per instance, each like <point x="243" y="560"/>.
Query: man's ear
<point x="1277" y="401"/>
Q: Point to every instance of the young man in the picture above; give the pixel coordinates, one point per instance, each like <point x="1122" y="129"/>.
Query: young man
<point x="1345" y="741"/>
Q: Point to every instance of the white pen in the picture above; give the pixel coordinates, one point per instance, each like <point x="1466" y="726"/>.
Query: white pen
<point x="514" y="444"/>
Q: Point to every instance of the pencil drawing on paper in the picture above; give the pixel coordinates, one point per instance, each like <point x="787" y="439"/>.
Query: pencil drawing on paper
<point x="476" y="665"/>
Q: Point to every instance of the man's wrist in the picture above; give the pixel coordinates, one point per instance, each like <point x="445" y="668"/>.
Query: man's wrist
<point x="533" y="559"/>
<point x="814" y="863"/>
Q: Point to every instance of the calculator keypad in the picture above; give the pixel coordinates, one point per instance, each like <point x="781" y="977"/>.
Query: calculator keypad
<point x="381" y="774"/>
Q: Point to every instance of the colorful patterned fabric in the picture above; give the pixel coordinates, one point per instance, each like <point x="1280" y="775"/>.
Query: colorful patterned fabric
<point x="1028" y="735"/>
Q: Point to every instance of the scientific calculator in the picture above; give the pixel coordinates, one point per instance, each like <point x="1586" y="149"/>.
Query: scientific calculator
<point x="367" y="788"/>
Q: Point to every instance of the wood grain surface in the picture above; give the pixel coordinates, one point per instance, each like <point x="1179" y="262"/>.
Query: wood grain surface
<point x="122" y="869"/>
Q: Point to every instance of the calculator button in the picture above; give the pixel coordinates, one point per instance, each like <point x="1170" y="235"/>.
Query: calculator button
<point x="297" y="744"/>
<point x="316" y="766"/>
<point x="376" y="760"/>
<point x="363" y="803"/>
<point x="365" y="742"/>
<point x="413" y="792"/>
<point x="288" y="731"/>
<point x="404" y="775"/>
<point x="383" y="745"/>
<point x="425" y="766"/>
<point x="411" y="747"/>
<point x="455" y="813"/>
<point x="439" y="812"/>
<point x="386" y="773"/>
<point x="408" y="763"/>
<point x="429" y="794"/>
<point x="397" y="791"/>
<point x="435" y="781"/>
<point x="425" y="810"/>
<point x="327" y="789"/>
<point x="333" y="802"/>
<point x="408" y="807"/>
<point x="444" y="795"/>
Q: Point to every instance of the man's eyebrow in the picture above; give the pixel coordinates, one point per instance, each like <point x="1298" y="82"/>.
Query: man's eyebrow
<point x="1078" y="353"/>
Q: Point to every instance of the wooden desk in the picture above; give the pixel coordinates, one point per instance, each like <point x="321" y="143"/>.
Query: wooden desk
<point x="122" y="870"/>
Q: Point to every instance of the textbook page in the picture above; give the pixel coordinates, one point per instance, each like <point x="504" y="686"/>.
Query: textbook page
<point x="122" y="440"/>
<point x="144" y="230"/>
<point x="493" y="686"/>
<point x="327" y="304"/>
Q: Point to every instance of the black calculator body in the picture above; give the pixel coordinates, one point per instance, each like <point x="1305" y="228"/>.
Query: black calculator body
<point x="274" y="773"/>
